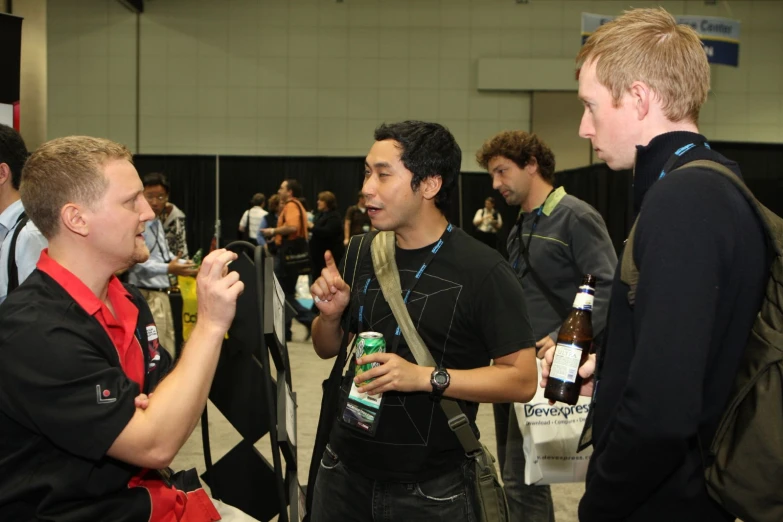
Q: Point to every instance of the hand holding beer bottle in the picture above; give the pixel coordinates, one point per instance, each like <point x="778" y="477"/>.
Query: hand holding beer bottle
<point x="586" y="372"/>
<point x="563" y="371"/>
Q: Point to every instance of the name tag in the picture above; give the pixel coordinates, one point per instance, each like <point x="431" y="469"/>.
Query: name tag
<point x="362" y="411"/>
<point x="152" y="333"/>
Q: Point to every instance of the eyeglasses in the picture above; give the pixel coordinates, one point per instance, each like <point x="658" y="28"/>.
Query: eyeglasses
<point x="155" y="198"/>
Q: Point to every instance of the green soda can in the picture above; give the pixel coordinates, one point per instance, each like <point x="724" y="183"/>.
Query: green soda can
<point x="369" y="343"/>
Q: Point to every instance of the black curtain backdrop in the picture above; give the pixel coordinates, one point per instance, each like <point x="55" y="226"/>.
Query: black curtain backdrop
<point x="762" y="169"/>
<point x="193" y="187"/>
<point x="243" y="176"/>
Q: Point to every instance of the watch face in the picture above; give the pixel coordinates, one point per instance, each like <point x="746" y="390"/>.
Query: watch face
<point x="441" y="378"/>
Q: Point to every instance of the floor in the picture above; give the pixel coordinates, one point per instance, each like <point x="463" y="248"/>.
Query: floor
<point x="308" y="373"/>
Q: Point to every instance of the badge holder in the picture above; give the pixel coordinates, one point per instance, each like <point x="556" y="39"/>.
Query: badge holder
<point x="362" y="411"/>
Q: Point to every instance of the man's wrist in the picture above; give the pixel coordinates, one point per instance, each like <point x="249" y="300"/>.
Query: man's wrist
<point x="209" y="331"/>
<point x="329" y="321"/>
<point x="426" y="378"/>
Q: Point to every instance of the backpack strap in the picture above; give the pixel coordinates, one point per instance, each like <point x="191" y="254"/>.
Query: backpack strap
<point x="629" y="272"/>
<point x="773" y="235"/>
<point x="13" y="270"/>
<point x="358" y="248"/>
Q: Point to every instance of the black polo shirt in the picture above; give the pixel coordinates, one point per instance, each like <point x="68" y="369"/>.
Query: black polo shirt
<point x="64" y="399"/>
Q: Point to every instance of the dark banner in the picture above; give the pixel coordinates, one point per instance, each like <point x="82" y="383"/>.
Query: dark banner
<point x="10" y="57"/>
<point x="10" y="62"/>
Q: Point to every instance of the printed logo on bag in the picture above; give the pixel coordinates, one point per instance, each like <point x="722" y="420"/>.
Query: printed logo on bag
<point x="543" y="409"/>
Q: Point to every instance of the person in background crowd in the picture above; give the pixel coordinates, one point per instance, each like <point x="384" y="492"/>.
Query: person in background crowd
<point x="291" y="224"/>
<point x="488" y="221"/>
<point x="357" y="221"/>
<point x="273" y="206"/>
<point x="556" y="240"/>
<point x="173" y="219"/>
<point x="327" y="232"/>
<point x="152" y="275"/>
<point x="250" y="223"/>
<point x="28" y="241"/>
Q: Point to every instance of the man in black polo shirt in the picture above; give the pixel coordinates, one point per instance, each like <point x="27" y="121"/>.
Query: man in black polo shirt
<point x="469" y="310"/>
<point x="77" y="348"/>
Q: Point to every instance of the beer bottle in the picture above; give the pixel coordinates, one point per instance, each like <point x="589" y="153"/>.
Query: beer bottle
<point x="198" y="257"/>
<point x="573" y="346"/>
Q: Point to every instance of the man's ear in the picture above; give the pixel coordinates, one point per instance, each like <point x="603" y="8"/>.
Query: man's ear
<point x="5" y="174"/>
<point x="73" y="218"/>
<point x="430" y="186"/>
<point x="642" y="97"/>
<point x="532" y="165"/>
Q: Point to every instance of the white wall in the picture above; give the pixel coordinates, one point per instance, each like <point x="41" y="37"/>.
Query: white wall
<point x="314" y="77"/>
<point x="92" y="70"/>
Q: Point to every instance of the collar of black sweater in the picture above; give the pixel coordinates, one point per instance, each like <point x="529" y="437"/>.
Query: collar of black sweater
<point x="651" y="158"/>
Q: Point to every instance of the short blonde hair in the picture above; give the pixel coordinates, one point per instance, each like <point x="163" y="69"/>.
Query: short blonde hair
<point x="648" y="45"/>
<point x="66" y="170"/>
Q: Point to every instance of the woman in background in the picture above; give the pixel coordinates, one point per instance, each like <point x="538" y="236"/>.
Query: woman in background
<point x="270" y="220"/>
<point x="327" y="233"/>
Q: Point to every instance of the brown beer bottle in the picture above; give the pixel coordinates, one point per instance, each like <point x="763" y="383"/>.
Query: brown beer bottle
<point x="573" y="345"/>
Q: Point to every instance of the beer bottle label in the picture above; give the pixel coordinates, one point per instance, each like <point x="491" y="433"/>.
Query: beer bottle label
<point x="584" y="298"/>
<point x="566" y="362"/>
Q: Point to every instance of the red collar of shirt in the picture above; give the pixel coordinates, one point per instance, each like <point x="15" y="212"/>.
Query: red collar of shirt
<point x="75" y="287"/>
<point x="119" y="328"/>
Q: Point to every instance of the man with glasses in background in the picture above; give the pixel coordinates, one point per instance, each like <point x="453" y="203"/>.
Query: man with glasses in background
<point x="152" y="276"/>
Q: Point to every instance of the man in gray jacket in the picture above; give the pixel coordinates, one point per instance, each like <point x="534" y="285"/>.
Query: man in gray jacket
<point x="555" y="241"/>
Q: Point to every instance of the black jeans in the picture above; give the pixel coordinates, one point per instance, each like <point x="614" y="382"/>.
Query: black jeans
<point x="342" y="495"/>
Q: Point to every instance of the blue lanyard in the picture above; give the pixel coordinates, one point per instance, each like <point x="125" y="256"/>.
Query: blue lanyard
<point x="427" y="262"/>
<point x="530" y="236"/>
<point x="678" y="153"/>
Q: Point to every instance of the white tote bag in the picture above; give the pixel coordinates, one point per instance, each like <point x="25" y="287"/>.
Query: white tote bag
<point x="551" y="436"/>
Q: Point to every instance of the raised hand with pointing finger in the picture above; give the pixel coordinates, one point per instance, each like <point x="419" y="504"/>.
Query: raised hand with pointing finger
<point x="330" y="293"/>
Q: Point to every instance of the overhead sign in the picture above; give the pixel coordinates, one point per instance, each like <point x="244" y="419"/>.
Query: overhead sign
<point x="719" y="36"/>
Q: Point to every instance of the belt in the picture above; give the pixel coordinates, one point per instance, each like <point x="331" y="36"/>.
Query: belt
<point x="151" y="289"/>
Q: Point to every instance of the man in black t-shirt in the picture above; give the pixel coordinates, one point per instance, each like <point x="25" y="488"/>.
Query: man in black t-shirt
<point x="467" y="306"/>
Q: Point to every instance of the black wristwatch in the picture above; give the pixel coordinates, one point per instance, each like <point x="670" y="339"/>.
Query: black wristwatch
<point x="440" y="380"/>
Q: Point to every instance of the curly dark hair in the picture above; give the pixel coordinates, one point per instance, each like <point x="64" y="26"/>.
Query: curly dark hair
<point x="13" y="153"/>
<point x="519" y="147"/>
<point x="427" y="149"/>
